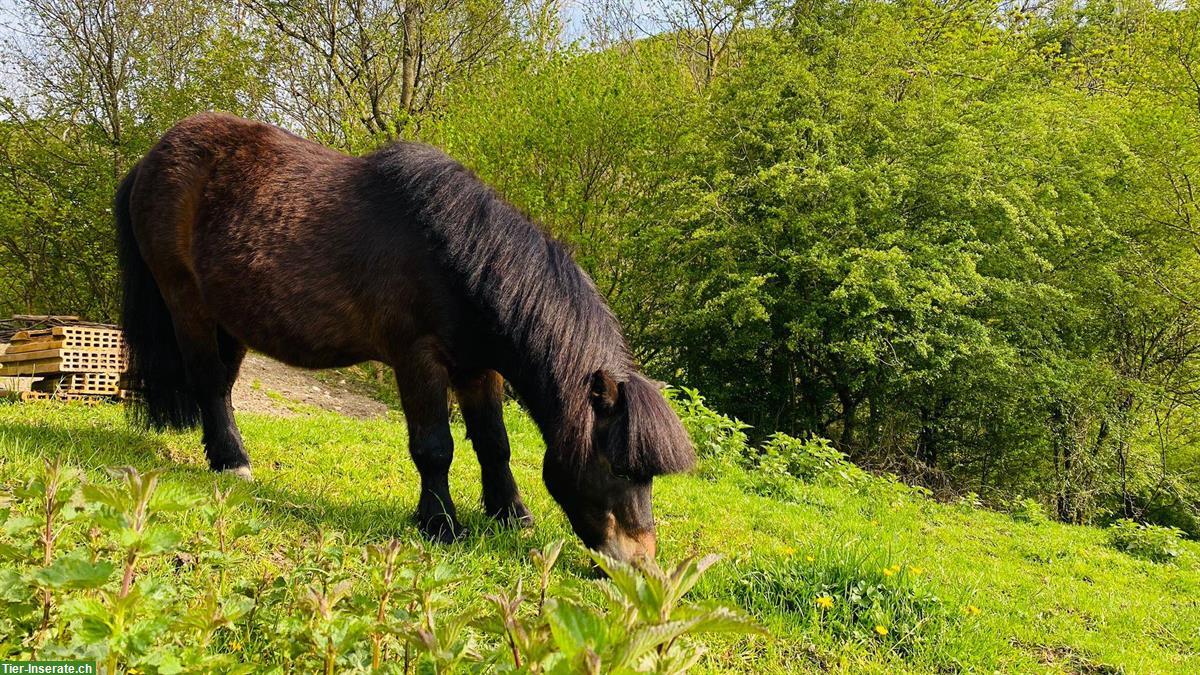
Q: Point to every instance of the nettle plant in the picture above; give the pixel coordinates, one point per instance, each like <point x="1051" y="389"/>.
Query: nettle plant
<point x="1155" y="543"/>
<point x="102" y="571"/>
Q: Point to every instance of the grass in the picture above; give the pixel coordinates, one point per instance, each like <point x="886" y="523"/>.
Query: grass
<point x="866" y="578"/>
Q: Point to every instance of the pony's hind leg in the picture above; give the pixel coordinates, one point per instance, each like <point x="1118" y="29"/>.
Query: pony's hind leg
<point x="232" y="353"/>
<point x="211" y="360"/>
<point x="424" y="397"/>
<point x="481" y="399"/>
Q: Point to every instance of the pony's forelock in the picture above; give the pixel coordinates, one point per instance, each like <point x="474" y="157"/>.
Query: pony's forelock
<point x="648" y="439"/>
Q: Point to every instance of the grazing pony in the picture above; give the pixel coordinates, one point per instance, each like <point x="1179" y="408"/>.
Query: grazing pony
<point x="237" y="234"/>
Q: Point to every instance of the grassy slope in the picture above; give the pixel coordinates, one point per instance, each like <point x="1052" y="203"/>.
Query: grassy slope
<point x="1050" y="597"/>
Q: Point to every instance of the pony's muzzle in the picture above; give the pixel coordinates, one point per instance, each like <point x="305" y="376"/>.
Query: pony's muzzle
<point x="628" y="548"/>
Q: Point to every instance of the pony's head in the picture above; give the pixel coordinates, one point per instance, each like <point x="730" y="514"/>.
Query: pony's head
<point x="630" y="436"/>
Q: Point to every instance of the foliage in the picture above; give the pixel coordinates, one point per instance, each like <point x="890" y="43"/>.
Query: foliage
<point x="1010" y="595"/>
<point x="1029" y="510"/>
<point x="1152" y="542"/>
<point x="326" y="606"/>
<point x="851" y="593"/>
<point x="959" y="242"/>
<point x="809" y="460"/>
<point x="721" y="443"/>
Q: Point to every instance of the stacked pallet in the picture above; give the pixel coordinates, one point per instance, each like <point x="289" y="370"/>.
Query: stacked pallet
<point x="72" y="362"/>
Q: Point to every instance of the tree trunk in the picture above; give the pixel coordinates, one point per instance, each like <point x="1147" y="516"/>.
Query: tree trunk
<point x="849" y="408"/>
<point x="408" y="83"/>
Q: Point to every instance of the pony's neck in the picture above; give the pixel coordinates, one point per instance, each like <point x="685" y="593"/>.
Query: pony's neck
<point x="551" y="326"/>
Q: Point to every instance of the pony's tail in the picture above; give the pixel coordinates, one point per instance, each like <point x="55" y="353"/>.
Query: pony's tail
<point x="156" y="370"/>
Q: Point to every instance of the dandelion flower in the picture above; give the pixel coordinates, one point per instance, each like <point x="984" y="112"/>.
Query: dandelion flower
<point x="882" y="630"/>
<point x="788" y="550"/>
<point x="916" y="571"/>
<point x="809" y="558"/>
<point x="889" y="571"/>
<point x="824" y="602"/>
<point x="972" y="610"/>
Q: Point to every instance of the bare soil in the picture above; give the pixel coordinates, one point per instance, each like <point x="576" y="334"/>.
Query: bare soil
<point x="269" y="387"/>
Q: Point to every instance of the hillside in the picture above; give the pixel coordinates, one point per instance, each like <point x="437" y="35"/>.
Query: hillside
<point x="949" y="587"/>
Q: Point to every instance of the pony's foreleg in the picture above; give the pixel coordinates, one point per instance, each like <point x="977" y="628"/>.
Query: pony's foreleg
<point x="424" y="398"/>
<point x="211" y="362"/>
<point x="481" y="399"/>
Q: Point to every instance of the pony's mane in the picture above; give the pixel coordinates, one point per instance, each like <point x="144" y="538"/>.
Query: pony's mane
<point x="535" y="295"/>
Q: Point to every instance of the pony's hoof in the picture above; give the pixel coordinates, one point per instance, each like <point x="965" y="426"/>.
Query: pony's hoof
<point x="242" y="472"/>
<point x="515" y="515"/>
<point x="441" y="530"/>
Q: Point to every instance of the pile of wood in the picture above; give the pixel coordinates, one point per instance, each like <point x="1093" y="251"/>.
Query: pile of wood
<point x="66" y="360"/>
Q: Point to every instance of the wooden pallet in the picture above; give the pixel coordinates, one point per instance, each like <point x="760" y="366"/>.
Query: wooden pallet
<point x="88" y="399"/>
<point x="40" y="345"/>
<point x="104" y="384"/>
<point x="52" y="361"/>
<point x="73" y="337"/>
<point x="17" y="384"/>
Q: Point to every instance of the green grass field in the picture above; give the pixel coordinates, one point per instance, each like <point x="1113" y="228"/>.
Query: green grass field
<point x="954" y="588"/>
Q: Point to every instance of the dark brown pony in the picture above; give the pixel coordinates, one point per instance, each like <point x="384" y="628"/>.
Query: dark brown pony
<point x="237" y="234"/>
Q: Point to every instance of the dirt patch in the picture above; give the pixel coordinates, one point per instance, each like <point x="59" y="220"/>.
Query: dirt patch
<point x="1066" y="659"/>
<point x="269" y="387"/>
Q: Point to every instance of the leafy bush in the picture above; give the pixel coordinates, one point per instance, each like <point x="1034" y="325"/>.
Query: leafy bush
<point x="131" y="592"/>
<point x="715" y="436"/>
<point x="809" y="460"/>
<point x="723" y="442"/>
<point x="1152" y="542"/>
<point x="1029" y="510"/>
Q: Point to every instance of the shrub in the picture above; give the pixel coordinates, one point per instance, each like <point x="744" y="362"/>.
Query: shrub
<point x="1151" y="542"/>
<point x="810" y="460"/>
<point x="713" y="434"/>
<point x="84" y="574"/>
<point x="1029" y="510"/>
<point x="722" y="441"/>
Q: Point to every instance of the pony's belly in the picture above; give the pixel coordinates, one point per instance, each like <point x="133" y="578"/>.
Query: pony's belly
<point x="317" y="349"/>
<point x="299" y="330"/>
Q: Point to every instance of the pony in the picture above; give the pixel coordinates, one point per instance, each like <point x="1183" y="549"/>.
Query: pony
<point x="235" y="234"/>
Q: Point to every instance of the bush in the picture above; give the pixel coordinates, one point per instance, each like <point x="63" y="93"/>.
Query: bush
<point x="809" y="460"/>
<point x="714" y="435"/>
<point x="1151" y="542"/>
<point x="722" y="441"/>
<point x="132" y="592"/>
<point x="1029" y="510"/>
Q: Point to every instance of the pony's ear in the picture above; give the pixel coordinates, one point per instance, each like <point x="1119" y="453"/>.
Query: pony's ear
<point x="605" y="392"/>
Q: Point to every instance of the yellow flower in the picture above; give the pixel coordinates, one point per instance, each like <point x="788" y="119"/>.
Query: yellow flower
<point x="788" y="550"/>
<point x="882" y="630"/>
<point x="972" y="610"/>
<point x="809" y="558"/>
<point x="916" y="571"/>
<point x="889" y="571"/>
<point x="824" y="602"/>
